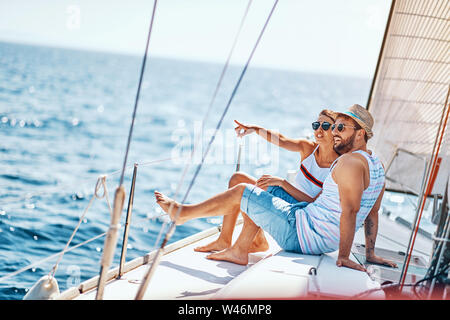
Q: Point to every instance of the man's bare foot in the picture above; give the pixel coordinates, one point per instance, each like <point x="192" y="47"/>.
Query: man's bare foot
<point x="260" y="243"/>
<point x="217" y="245"/>
<point x="165" y="203"/>
<point x="230" y="255"/>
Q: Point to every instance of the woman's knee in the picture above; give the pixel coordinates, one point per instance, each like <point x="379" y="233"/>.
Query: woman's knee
<point x="240" y="186"/>
<point x="237" y="178"/>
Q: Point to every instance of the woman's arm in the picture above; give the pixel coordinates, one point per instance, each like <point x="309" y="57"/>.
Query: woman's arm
<point x="297" y="194"/>
<point x="268" y="180"/>
<point x="298" y="145"/>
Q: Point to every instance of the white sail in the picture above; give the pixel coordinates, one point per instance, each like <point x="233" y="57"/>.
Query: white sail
<point x="409" y="95"/>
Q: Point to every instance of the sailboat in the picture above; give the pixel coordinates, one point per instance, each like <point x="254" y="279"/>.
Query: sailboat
<point x="409" y="100"/>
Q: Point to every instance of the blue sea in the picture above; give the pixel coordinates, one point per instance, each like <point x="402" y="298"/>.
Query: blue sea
<point x="64" y="121"/>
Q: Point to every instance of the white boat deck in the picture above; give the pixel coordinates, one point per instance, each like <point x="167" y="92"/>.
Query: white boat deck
<point x="186" y="274"/>
<point x="183" y="274"/>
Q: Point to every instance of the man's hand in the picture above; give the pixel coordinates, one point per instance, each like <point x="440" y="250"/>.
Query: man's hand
<point x="346" y="262"/>
<point x="268" y="180"/>
<point x="382" y="261"/>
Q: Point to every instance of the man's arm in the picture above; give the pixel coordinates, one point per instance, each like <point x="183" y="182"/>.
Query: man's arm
<point x="349" y="176"/>
<point x="370" y="231"/>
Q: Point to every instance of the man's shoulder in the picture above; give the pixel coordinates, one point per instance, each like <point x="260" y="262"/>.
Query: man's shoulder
<point x="349" y="160"/>
<point x="348" y="168"/>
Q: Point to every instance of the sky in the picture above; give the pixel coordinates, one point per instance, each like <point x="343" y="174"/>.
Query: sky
<point x="324" y="36"/>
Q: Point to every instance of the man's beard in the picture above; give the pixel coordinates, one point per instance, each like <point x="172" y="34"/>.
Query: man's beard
<point x="345" y="145"/>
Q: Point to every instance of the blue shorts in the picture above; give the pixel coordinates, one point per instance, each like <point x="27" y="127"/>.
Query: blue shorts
<point x="274" y="211"/>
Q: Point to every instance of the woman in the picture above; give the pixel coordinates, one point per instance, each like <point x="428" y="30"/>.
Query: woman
<point x="317" y="158"/>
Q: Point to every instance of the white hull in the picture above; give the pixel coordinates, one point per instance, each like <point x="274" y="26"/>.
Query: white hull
<point x="274" y="274"/>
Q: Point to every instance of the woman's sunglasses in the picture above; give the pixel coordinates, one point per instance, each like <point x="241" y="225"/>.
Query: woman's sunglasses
<point x="341" y="127"/>
<point x="325" y="125"/>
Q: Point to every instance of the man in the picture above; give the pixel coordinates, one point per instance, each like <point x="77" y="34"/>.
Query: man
<point x="351" y="195"/>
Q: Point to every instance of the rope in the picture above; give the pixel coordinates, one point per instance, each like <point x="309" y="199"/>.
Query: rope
<point x="169" y="234"/>
<point x="101" y="182"/>
<point x="138" y="92"/>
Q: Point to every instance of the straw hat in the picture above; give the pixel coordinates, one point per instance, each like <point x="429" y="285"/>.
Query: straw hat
<point x="361" y="116"/>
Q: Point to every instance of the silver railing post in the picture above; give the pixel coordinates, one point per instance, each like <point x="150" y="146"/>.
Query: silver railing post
<point x="238" y="163"/>
<point x="127" y="223"/>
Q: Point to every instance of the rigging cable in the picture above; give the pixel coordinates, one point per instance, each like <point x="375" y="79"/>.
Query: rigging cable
<point x="100" y="183"/>
<point x="34" y="264"/>
<point x="138" y="93"/>
<point x="170" y="232"/>
<point x="119" y="197"/>
<point x="431" y="168"/>
<point x="196" y="143"/>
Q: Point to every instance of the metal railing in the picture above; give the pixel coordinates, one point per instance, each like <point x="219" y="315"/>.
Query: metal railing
<point x="127" y="222"/>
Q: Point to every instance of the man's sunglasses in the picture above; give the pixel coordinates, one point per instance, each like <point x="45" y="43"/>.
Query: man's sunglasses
<point x="325" y="125"/>
<point x="341" y="127"/>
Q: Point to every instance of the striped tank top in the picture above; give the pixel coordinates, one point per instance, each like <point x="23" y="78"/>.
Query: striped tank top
<point x="318" y="223"/>
<point x="310" y="177"/>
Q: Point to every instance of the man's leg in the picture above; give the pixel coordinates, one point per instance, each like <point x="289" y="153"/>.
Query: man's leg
<point x="262" y="210"/>
<point x="229" y="223"/>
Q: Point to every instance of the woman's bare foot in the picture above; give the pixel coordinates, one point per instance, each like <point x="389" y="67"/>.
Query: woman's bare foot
<point x="259" y="244"/>
<point x="217" y="245"/>
<point x="231" y="255"/>
<point x="165" y="203"/>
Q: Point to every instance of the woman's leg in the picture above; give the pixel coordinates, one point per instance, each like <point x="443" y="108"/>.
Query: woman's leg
<point x="238" y="253"/>
<point x="225" y="203"/>
<point x="229" y="223"/>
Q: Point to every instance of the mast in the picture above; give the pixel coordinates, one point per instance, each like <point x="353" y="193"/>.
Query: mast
<point x="381" y="53"/>
<point x="409" y="102"/>
<point x="408" y="93"/>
